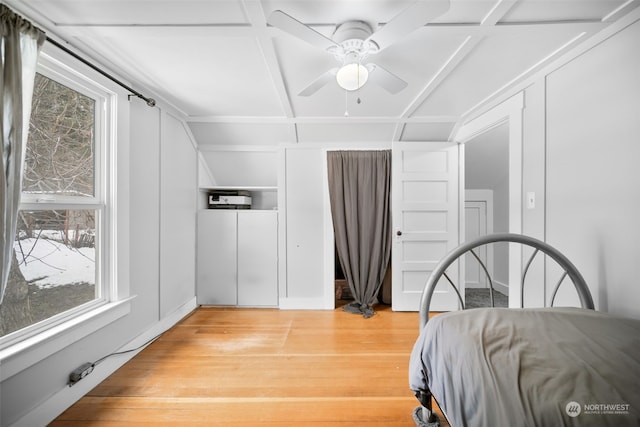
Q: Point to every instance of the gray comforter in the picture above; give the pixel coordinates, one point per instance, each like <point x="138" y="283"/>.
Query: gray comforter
<point x="530" y="367"/>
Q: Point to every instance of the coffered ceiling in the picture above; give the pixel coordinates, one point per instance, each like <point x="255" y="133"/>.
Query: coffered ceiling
<point x="236" y="78"/>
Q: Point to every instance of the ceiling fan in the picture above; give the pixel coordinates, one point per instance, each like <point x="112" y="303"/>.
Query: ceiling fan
<point x="353" y="42"/>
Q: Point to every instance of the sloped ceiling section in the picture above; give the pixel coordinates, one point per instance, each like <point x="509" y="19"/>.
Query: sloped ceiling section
<point x="236" y="79"/>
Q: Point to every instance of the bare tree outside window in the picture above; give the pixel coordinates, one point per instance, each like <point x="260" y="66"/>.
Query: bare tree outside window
<point x="54" y="265"/>
<point x="60" y="148"/>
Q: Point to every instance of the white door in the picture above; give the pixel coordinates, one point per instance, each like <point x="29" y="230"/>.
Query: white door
<point x="426" y="221"/>
<point x="217" y="257"/>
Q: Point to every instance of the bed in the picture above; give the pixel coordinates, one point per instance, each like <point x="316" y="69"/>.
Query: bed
<point x="548" y="366"/>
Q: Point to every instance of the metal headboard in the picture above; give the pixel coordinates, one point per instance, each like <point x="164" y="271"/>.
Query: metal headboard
<point x="569" y="270"/>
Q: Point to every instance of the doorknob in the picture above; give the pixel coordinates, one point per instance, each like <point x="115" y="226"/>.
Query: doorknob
<point x="398" y="233"/>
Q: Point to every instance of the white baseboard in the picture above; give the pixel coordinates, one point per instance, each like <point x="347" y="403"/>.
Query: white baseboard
<point x="47" y="411"/>
<point x="501" y="287"/>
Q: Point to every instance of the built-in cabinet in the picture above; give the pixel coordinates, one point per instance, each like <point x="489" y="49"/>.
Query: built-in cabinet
<point x="237" y="257"/>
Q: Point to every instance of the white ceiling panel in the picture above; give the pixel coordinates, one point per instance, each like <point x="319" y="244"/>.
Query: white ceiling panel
<point x="561" y="10"/>
<point x="325" y="14"/>
<point x="141" y="12"/>
<point x="229" y="77"/>
<point x="494" y="62"/>
<point x="466" y="11"/>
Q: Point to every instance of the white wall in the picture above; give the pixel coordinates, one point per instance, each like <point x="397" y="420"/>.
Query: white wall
<point x="39" y="393"/>
<point x="145" y="214"/>
<point x="593" y="149"/>
<point x="178" y="205"/>
<point x="242" y="166"/>
<point x="302" y="285"/>
<point x="533" y="181"/>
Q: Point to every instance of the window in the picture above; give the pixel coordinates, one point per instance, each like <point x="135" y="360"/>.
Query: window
<point x="59" y="268"/>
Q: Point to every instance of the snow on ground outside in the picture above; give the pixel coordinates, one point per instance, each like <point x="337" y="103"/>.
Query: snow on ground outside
<point x="54" y="264"/>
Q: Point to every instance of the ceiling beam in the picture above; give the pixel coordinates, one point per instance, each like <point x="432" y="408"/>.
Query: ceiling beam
<point x="499" y="10"/>
<point x="256" y="16"/>
<point x="320" y="120"/>
<point x="624" y="9"/>
<point x="248" y="30"/>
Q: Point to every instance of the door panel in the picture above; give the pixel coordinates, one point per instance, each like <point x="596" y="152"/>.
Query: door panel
<point x="425" y="200"/>
<point x="217" y="257"/>
<point x="257" y="258"/>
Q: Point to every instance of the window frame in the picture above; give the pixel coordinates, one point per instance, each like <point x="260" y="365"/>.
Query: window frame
<point x="102" y="138"/>
<point x="110" y="202"/>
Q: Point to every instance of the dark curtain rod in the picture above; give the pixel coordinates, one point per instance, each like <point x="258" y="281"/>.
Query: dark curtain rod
<point x="150" y="101"/>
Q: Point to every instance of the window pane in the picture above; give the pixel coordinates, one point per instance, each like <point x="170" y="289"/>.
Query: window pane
<point x="60" y="148"/>
<point x="53" y="269"/>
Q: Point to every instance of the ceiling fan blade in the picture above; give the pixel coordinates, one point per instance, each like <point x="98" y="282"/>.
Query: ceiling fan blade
<point x="290" y="25"/>
<point x="320" y="82"/>
<point x="410" y="19"/>
<point x="385" y="79"/>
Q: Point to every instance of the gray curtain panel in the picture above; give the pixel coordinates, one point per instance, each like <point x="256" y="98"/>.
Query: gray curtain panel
<point x="360" y="195"/>
<point x="21" y="43"/>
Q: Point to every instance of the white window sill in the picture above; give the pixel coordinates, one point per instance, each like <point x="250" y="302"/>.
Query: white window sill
<point x="30" y="351"/>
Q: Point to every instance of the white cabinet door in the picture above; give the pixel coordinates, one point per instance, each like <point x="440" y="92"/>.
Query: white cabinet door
<point x="217" y="257"/>
<point x="425" y="204"/>
<point x="238" y="257"/>
<point x="257" y="258"/>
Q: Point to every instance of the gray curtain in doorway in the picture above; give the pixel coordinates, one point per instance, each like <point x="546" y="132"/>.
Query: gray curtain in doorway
<point x="359" y="190"/>
<point x="20" y="44"/>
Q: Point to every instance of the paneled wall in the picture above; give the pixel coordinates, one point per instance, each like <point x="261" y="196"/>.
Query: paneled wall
<point x="593" y="190"/>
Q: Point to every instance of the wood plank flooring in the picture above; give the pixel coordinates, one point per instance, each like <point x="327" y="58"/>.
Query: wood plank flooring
<point x="246" y="367"/>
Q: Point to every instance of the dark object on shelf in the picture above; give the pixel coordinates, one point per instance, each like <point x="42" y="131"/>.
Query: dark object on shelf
<point x="229" y="199"/>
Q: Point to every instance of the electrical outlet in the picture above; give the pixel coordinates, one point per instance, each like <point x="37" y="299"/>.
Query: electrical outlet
<point x="80" y="372"/>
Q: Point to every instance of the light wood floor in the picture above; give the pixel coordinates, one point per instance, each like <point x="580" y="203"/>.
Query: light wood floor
<point x="245" y="367"/>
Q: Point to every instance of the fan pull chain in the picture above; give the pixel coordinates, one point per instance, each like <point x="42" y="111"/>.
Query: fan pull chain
<point x="358" y="98"/>
<point x="346" y="103"/>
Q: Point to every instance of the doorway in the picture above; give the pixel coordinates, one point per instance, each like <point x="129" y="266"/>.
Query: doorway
<point x="509" y="114"/>
<point x="359" y="184"/>
<point x="487" y="182"/>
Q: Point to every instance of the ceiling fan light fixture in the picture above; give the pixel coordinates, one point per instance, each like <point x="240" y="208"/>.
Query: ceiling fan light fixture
<point x="352" y="76"/>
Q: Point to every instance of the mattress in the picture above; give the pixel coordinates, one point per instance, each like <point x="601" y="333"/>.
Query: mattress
<point x="531" y="367"/>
